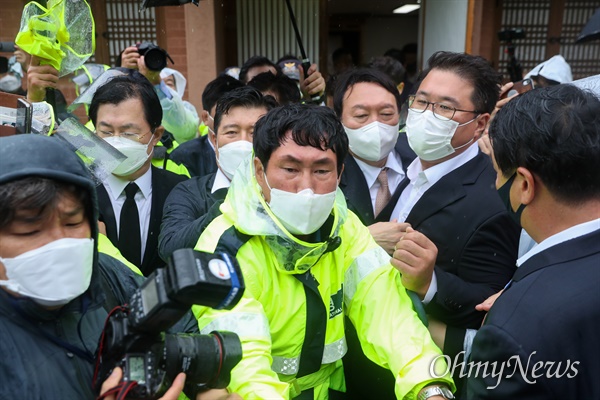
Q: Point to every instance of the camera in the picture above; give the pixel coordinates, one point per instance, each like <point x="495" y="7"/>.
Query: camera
<point x="508" y="35"/>
<point x="154" y="56"/>
<point x="133" y="337"/>
<point x="7" y="47"/>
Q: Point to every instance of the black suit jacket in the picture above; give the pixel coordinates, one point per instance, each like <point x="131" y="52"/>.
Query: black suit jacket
<point x="162" y="184"/>
<point x="188" y="210"/>
<point x="354" y="186"/>
<point x="477" y="243"/>
<point x="552" y="308"/>
<point x="476" y="239"/>
<point x="197" y="155"/>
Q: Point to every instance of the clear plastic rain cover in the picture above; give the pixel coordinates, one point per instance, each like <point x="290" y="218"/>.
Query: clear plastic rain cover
<point x="62" y="34"/>
<point x="99" y="156"/>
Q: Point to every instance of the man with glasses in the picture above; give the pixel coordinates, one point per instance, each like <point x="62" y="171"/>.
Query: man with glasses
<point x="127" y="114"/>
<point x="461" y="245"/>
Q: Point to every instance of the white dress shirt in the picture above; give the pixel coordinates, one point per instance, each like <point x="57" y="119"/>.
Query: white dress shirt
<point x="420" y="181"/>
<point x="560" y="237"/>
<point x="221" y="181"/>
<point x="395" y="174"/>
<point x="115" y="187"/>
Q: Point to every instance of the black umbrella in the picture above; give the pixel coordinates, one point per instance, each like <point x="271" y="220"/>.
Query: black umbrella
<point x="591" y="31"/>
<point x="160" y="3"/>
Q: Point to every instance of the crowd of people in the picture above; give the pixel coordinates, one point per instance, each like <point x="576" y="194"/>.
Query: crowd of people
<point x="401" y="233"/>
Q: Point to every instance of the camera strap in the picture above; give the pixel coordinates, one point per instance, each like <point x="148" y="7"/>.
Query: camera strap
<point x="121" y="391"/>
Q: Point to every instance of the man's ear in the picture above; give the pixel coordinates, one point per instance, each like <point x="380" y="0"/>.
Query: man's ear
<point x="204" y="117"/>
<point x="259" y="173"/>
<point x="526" y="184"/>
<point x="482" y="122"/>
<point x="157" y="135"/>
<point x="259" y="170"/>
<point x="400" y="87"/>
<point x="213" y="138"/>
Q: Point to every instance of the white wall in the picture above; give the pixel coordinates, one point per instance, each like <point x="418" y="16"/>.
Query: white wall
<point x="445" y="26"/>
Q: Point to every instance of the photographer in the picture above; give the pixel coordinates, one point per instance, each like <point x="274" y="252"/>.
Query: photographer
<point x="179" y="120"/>
<point x="55" y="288"/>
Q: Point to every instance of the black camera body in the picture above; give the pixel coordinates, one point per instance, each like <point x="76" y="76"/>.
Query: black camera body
<point x="133" y="337"/>
<point x="154" y="56"/>
<point x="508" y="35"/>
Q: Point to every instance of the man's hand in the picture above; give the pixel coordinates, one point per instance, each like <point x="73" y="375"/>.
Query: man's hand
<point x="437" y="330"/>
<point x="40" y="78"/>
<point x="387" y="234"/>
<point x="414" y="257"/>
<point x="115" y="378"/>
<point x="489" y="302"/>
<point x="129" y="58"/>
<point x="153" y="76"/>
<point x="102" y="228"/>
<point x="218" y="394"/>
<point x="314" y="84"/>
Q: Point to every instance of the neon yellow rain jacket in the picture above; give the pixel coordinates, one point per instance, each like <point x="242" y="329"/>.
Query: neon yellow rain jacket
<point x="290" y="319"/>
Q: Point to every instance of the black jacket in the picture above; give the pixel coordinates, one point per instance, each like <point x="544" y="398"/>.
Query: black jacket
<point x="189" y="209"/>
<point x="32" y="365"/>
<point x="477" y="244"/>
<point x="354" y="186"/>
<point x="197" y="155"/>
<point x="162" y="184"/>
<point x="550" y="313"/>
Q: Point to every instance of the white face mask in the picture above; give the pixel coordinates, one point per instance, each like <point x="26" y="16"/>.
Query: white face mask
<point x="51" y="275"/>
<point x="430" y="137"/>
<point x="301" y="213"/>
<point x="136" y="153"/>
<point x="374" y="141"/>
<point x="231" y="156"/>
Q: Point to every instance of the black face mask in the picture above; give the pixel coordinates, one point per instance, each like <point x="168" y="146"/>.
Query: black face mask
<point x="504" y="193"/>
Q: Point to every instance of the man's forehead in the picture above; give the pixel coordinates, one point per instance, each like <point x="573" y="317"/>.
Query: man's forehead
<point x="446" y="84"/>
<point x="354" y="95"/>
<point x="242" y="113"/>
<point x="289" y="148"/>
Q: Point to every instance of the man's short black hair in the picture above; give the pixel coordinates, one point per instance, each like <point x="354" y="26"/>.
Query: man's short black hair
<point x="389" y="66"/>
<point x="255" y="61"/>
<point x="555" y="133"/>
<point x="245" y="96"/>
<point x="216" y="89"/>
<point x="474" y="69"/>
<point x="38" y="194"/>
<point x="286" y="89"/>
<point x="125" y="87"/>
<point x="310" y="125"/>
<point x="347" y="80"/>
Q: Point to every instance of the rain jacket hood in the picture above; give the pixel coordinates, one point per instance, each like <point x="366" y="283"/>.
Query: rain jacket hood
<point x="245" y="206"/>
<point x="555" y="69"/>
<point x="180" y="81"/>
<point x="28" y="155"/>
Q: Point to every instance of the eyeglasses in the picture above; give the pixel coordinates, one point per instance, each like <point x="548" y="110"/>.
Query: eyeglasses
<point x="440" y="110"/>
<point x="127" y="135"/>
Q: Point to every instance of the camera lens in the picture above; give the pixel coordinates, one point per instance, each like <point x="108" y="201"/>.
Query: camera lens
<point x="206" y="359"/>
<point x="155" y="59"/>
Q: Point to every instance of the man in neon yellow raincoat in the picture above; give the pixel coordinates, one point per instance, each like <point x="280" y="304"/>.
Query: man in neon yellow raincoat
<point x="306" y="261"/>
